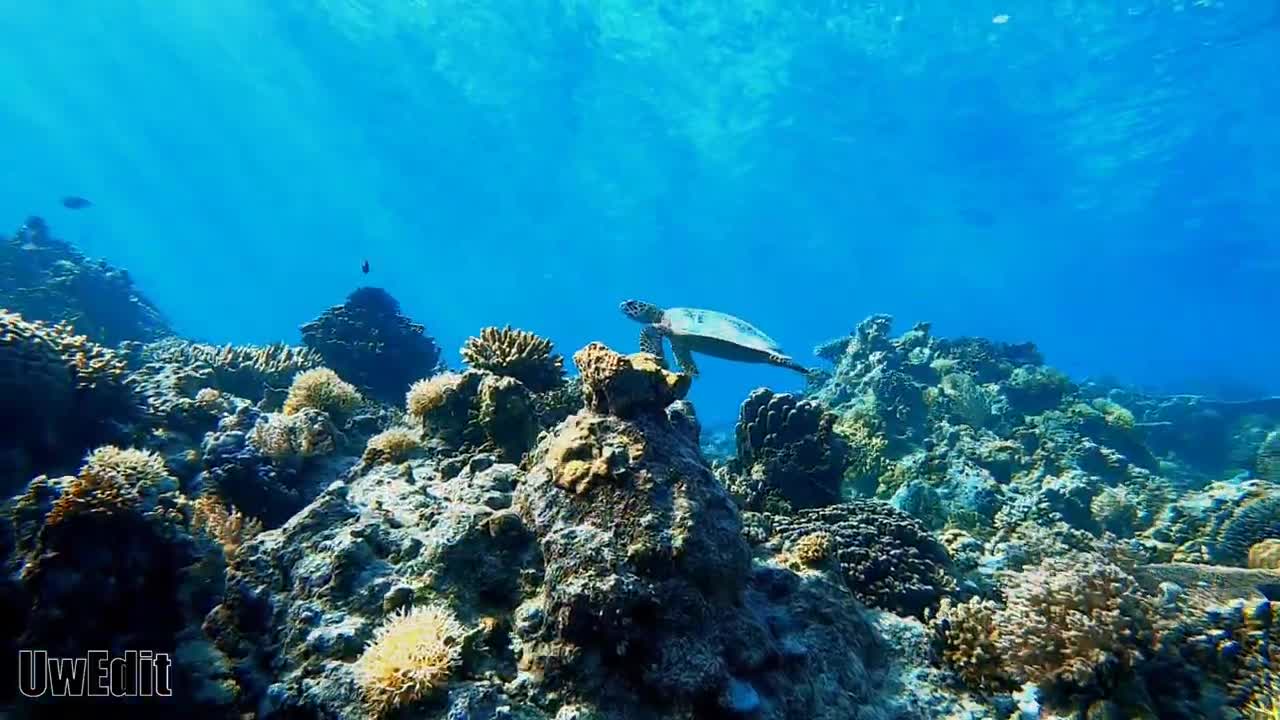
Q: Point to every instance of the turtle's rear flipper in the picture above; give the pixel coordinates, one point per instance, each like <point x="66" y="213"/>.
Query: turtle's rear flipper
<point x="788" y="363"/>
<point x="684" y="359"/>
<point x="651" y="342"/>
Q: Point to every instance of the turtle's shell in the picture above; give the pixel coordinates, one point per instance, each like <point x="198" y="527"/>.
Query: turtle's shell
<point x="693" y="322"/>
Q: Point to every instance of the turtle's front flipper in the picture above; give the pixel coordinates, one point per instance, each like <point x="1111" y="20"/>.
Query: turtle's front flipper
<point x="651" y="342"/>
<point x="684" y="358"/>
<point x="788" y="363"/>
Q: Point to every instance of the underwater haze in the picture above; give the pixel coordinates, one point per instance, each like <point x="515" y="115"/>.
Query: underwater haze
<point x="1097" y="177"/>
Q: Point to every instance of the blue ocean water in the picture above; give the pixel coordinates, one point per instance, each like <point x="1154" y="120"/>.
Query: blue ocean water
<point x="1098" y="177"/>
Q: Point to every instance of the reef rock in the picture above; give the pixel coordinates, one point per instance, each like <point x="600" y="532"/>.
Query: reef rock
<point x="370" y="344"/>
<point x="45" y="278"/>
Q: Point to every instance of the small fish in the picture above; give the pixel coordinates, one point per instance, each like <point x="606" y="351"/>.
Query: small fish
<point x="75" y="202"/>
<point x="364" y="267"/>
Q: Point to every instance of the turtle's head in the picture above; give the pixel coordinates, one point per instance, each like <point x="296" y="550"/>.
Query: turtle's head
<point x="641" y="311"/>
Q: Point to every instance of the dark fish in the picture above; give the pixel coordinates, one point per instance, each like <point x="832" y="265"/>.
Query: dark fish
<point x="74" y="202"/>
<point x="364" y="267"/>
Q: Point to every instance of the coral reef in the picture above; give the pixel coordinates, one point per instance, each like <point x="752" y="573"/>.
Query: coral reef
<point x="60" y="394"/>
<point x="367" y="341"/>
<point x="45" y="279"/>
<point x="171" y="371"/>
<point x="518" y="354"/>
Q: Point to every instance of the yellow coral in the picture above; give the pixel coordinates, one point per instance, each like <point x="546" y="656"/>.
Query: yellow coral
<point x="515" y="353"/>
<point x="1265" y="554"/>
<point x="814" y="549"/>
<point x="229" y="528"/>
<point x="969" y="633"/>
<point x="137" y="467"/>
<point x="411" y="656"/>
<point x="393" y="445"/>
<point x="623" y="385"/>
<point x="426" y="396"/>
<point x="321" y="389"/>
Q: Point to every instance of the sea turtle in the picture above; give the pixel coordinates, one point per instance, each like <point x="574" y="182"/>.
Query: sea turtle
<point x="708" y="332"/>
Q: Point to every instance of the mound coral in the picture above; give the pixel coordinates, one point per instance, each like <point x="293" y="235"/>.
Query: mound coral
<point x="291" y="438"/>
<point x="518" y="354"/>
<point x="45" y="278"/>
<point x="475" y="411"/>
<point x="792" y="446"/>
<point x="412" y="655"/>
<point x="626" y="385"/>
<point x="392" y="445"/>
<point x="322" y="389"/>
<point x="888" y="558"/>
<point x="368" y="341"/>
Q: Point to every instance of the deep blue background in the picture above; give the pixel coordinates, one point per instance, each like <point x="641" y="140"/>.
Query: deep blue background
<point x="1102" y="180"/>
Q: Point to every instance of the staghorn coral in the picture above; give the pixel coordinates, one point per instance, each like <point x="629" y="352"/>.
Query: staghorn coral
<point x="369" y="342"/>
<point x="411" y="656"/>
<point x="322" y="389"/>
<point x="887" y="558"/>
<point x="518" y="354"/>
<point x="792" y="446"/>
<point x="243" y="370"/>
<point x="229" y="528"/>
<point x="393" y="445"/>
<point x="626" y="385"/>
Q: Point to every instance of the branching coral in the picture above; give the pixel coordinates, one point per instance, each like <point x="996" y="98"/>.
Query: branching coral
<point x="518" y="354"/>
<point x="1069" y="619"/>
<point x="229" y="528"/>
<point x="412" y="655"/>
<point x="242" y="370"/>
<point x="475" y="411"/>
<point x="322" y="389"/>
<point x="968" y="632"/>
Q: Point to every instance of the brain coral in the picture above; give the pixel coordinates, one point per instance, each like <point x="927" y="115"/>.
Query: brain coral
<point x="887" y="557"/>
<point x="367" y="341"/>
<point x="518" y="354"/>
